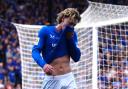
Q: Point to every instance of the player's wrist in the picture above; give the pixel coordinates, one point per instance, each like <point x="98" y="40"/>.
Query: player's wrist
<point x="44" y="65"/>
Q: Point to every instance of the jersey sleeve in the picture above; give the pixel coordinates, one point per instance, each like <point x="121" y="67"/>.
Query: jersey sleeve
<point x="36" y="50"/>
<point x="72" y="44"/>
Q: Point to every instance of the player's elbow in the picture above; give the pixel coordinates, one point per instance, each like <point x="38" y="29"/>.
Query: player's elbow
<point x="76" y="56"/>
<point x="35" y="51"/>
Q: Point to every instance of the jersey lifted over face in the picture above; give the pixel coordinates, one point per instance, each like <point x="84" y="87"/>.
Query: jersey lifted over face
<point x="53" y="44"/>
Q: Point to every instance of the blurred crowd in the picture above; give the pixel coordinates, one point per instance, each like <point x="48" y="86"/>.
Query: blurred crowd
<point x="38" y="12"/>
<point x="113" y="57"/>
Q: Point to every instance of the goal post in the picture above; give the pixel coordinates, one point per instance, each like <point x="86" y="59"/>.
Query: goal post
<point x="103" y="40"/>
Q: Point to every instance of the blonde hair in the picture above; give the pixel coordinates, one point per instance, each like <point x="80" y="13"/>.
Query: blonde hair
<point x="69" y="12"/>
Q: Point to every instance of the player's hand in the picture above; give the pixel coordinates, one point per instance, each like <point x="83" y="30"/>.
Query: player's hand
<point x="48" y="69"/>
<point x="69" y="32"/>
<point x="69" y="35"/>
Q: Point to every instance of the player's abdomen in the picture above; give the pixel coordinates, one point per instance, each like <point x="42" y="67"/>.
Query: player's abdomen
<point x="61" y="65"/>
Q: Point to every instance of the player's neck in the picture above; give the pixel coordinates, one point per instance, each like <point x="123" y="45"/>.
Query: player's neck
<point x="60" y="27"/>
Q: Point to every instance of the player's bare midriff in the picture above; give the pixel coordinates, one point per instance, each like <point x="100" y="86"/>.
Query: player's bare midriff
<point x="61" y="65"/>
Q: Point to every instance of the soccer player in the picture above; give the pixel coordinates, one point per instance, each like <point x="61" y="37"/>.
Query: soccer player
<point x="58" y="44"/>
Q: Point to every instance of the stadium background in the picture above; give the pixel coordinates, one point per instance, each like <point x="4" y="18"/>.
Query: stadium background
<point x="38" y="12"/>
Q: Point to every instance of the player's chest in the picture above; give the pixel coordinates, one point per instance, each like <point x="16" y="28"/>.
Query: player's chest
<point x="53" y="39"/>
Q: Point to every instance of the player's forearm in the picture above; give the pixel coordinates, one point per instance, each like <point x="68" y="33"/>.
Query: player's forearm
<point x="37" y="57"/>
<point x="71" y="37"/>
<point x="74" y="51"/>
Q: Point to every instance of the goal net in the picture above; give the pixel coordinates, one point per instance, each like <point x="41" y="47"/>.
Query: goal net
<point x="103" y="40"/>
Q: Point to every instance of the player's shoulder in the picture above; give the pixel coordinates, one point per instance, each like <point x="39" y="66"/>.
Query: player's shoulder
<point x="45" y="30"/>
<point x="42" y="31"/>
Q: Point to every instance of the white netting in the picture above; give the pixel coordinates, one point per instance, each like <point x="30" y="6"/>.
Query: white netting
<point x="113" y="56"/>
<point x="32" y="75"/>
<point x="106" y="17"/>
<point x="83" y="69"/>
<point x="96" y="25"/>
<point x="98" y="13"/>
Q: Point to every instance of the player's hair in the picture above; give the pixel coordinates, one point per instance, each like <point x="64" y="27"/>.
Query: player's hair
<point x="69" y="12"/>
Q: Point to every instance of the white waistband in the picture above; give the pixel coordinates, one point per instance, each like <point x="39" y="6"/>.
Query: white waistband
<point x="67" y="75"/>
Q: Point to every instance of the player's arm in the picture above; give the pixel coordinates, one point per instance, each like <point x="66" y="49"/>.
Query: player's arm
<point x="36" y="50"/>
<point x="72" y="44"/>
